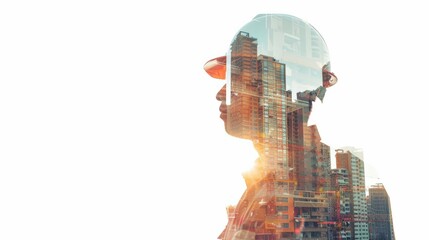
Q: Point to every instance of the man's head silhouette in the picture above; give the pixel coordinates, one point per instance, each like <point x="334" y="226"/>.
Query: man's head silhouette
<point x="274" y="60"/>
<point x="276" y="66"/>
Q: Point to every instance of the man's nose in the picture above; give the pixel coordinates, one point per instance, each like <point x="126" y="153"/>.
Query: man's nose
<point x="221" y="95"/>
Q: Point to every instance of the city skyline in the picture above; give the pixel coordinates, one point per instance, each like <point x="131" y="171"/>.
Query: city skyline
<point x="108" y="120"/>
<point x="292" y="174"/>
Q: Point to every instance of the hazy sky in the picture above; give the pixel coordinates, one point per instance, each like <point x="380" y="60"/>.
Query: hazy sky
<point x="109" y="127"/>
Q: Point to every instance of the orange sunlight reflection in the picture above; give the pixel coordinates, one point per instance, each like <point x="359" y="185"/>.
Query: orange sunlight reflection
<point x="241" y="159"/>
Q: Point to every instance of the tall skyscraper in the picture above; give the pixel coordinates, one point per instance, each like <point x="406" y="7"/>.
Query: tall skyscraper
<point x="341" y="203"/>
<point x="379" y="214"/>
<point x="245" y="95"/>
<point x="356" y="173"/>
<point x="291" y="155"/>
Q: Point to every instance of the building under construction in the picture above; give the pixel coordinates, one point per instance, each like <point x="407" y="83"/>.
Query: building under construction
<point x="380" y="214"/>
<point x="287" y="199"/>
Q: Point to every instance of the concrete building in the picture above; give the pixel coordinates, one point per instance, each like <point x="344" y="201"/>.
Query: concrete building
<point x="356" y="173"/>
<point x="379" y="214"/>
<point x="341" y="202"/>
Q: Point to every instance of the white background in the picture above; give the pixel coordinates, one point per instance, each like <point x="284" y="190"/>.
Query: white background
<point x="109" y="127"/>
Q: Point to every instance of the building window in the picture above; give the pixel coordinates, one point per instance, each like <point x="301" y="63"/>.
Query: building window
<point x="285" y="225"/>
<point x="282" y="208"/>
<point x="282" y="199"/>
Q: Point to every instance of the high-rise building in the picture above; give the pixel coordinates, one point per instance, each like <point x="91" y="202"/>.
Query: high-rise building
<point x="291" y="155"/>
<point x="341" y="204"/>
<point x="245" y="94"/>
<point x="324" y="168"/>
<point x="379" y="214"/>
<point x="356" y="173"/>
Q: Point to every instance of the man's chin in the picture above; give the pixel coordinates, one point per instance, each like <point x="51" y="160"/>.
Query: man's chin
<point x="236" y="134"/>
<point x="231" y="132"/>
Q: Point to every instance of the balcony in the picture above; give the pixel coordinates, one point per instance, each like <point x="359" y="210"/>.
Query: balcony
<point x="311" y="204"/>
<point x="314" y="229"/>
<point x="320" y="214"/>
